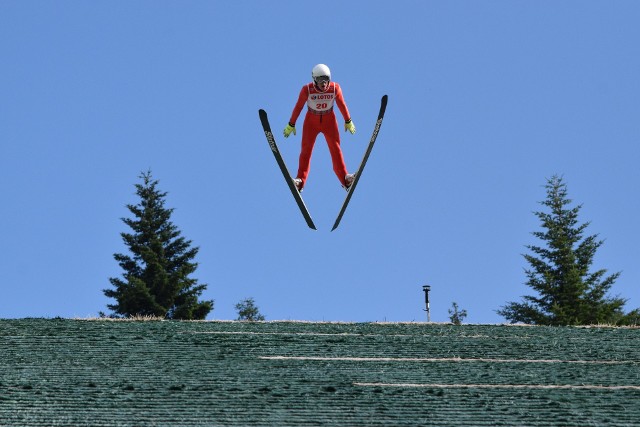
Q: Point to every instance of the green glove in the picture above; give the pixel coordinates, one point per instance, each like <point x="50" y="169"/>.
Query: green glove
<point x="349" y="126"/>
<point x="288" y="129"/>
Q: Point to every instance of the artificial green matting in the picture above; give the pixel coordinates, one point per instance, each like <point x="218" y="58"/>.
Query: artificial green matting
<point x="58" y="372"/>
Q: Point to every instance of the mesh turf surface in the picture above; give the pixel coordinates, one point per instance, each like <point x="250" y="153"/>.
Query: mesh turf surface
<point x="153" y="373"/>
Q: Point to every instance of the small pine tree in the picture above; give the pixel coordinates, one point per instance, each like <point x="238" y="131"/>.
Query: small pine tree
<point x="156" y="278"/>
<point x="568" y="293"/>
<point x="456" y="316"/>
<point x="248" y="311"/>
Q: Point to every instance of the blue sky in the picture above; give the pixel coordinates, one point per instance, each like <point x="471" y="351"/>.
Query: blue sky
<point x="487" y="99"/>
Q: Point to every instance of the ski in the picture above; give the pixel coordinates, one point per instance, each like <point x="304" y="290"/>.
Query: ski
<point x="352" y="188"/>
<point x="283" y="168"/>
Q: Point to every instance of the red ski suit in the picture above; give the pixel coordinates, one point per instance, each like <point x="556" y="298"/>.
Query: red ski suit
<point x="320" y="117"/>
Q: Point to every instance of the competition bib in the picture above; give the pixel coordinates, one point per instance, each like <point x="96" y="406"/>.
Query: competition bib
<point x="321" y="102"/>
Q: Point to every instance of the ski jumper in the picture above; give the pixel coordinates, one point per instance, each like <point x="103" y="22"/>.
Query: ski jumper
<point x="320" y="118"/>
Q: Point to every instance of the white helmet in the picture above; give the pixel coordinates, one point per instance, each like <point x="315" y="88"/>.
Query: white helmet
<point x="320" y="70"/>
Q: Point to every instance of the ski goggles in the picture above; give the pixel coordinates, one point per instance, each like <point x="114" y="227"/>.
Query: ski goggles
<point x="321" y="79"/>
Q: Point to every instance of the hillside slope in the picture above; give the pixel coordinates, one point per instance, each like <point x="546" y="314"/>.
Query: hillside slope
<point x="161" y="373"/>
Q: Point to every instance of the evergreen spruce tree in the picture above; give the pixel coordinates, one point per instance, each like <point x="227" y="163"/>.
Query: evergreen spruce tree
<point x="568" y="293"/>
<point x="456" y="315"/>
<point x="156" y="278"/>
<point x="248" y="311"/>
